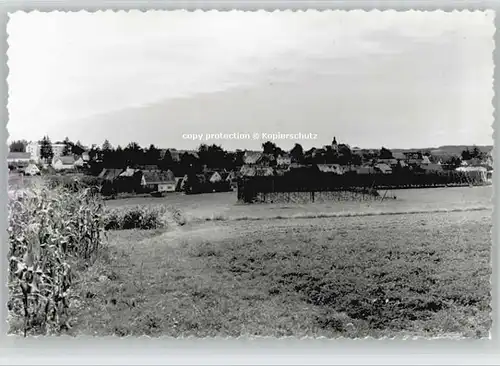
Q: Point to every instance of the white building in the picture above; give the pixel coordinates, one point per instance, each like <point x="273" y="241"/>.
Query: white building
<point x="63" y="163"/>
<point x="19" y="157"/>
<point x="32" y="169"/>
<point x="34" y="148"/>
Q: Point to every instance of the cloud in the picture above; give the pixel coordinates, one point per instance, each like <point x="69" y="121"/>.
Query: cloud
<point x="382" y="74"/>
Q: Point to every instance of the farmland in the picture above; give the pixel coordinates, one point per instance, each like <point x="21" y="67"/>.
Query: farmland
<point x="415" y="265"/>
<point x="229" y="272"/>
<point x="223" y="206"/>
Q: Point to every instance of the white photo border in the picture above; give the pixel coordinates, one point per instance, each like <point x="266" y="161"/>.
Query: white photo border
<point x="163" y="351"/>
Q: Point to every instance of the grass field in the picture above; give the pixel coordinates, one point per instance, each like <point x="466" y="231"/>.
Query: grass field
<point x="224" y="206"/>
<point x="379" y="275"/>
<point x="418" y="265"/>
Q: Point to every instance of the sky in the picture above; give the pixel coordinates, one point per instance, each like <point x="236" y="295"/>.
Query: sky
<point x="372" y="79"/>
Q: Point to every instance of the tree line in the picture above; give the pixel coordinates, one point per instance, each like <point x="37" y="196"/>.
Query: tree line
<point x="215" y="157"/>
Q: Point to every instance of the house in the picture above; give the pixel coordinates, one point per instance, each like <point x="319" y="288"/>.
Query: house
<point x="18" y="157"/>
<point x="32" y="169"/>
<point x="264" y="171"/>
<point x="80" y="162"/>
<point x="246" y="170"/>
<point x="252" y="157"/>
<point x="217" y="177"/>
<point x="366" y="170"/>
<point x="318" y="152"/>
<point x="64" y="163"/>
<point x="413" y="157"/>
<point x="130" y="173"/>
<point x="283" y="160"/>
<point x="149" y="167"/>
<point x="331" y="168"/>
<point x="425" y="160"/>
<point x="383" y="168"/>
<point x="390" y="162"/>
<point x="110" y="174"/>
<point x="432" y="167"/>
<point x="34" y="148"/>
<point x="253" y="171"/>
<point x="159" y="180"/>
<point x="399" y="156"/>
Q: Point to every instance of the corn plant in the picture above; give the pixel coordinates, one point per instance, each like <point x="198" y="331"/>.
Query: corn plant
<point x="50" y="230"/>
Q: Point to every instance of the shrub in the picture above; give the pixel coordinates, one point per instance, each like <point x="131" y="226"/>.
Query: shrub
<point x="50" y="230"/>
<point x="73" y="183"/>
<point x="144" y="218"/>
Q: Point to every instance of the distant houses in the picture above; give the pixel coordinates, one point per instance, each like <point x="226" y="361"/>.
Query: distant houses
<point x="252" y="157"/>
<point x="110" y="174"/>
<point x="64" y="163"/>
<point x="218" y="177"/>
<point x="284" y="160"/>
<point x="19" y="157"/>
<point x="31" y="169"/>
<point x="159" y="180"/>
<point x="34" y="148"/>
<point x="330" y="168"/>
<point x="383" y="168"/>
<point x="139" y="180"/>
<point x="329" y="161"/>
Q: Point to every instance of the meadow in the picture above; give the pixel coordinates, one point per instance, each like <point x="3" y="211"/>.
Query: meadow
<point x="203" y="265"/>
<point x="224" y="206"/>
<point x="396" y="275"/>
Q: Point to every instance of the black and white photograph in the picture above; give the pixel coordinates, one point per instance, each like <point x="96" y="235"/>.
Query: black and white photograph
<point x="320" y="174"/>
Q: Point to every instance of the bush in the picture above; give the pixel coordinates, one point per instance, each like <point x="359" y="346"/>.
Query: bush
<point x="135" y="218"/>
<point x="50" y="231"/>
<point x="73" y="183"/>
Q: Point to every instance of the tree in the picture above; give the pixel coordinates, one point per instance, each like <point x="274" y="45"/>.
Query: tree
<point x="270" y="148"/>
<point x="167" y="162"/>
<point x="152" y="155"/>
<point x="68" y="146"/>
<point x="118" y="158"/>
<point x="106" y="146"/>
<point x="18" y="146"/>
<point x="476" y="153"/>
<point x="95" y="153"/>
<point x="452" y="163"/>
<point x="46" y="152"/>
<point x="212" y="156"/>
<point x="356" y="159"/>
<point x="330" y="156"/>
<point x="344" y="154"/>
<point x="238" y="159"/>
<point x="133" y="154"/>
<point x="297" y="153"/>
<point x="189" y="163"/>
<point x="77" y="148"/>
<point x="467" y="154"/>
<point x="385" y="153"/>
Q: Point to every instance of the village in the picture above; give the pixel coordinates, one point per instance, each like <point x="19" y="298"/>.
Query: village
<point x="159" y="171"/>
<point x="231" y="174"/>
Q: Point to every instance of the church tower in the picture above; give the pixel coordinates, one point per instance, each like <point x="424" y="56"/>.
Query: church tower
<point x="335" y="146"/>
